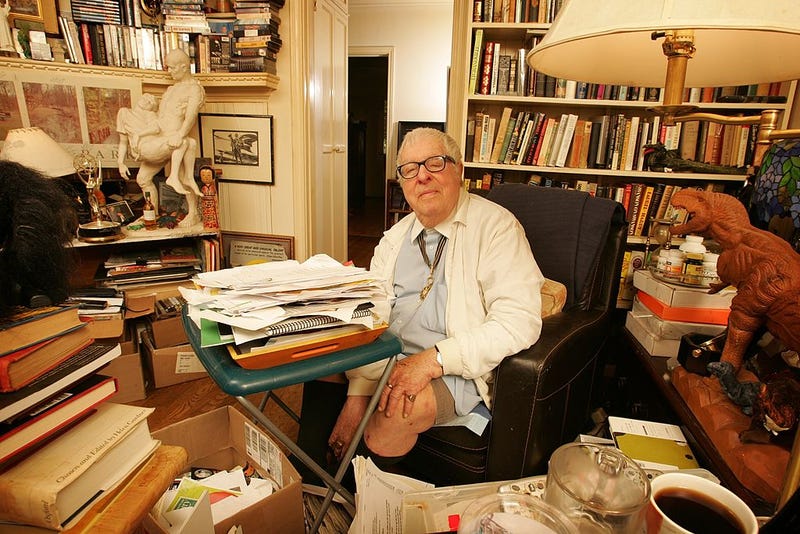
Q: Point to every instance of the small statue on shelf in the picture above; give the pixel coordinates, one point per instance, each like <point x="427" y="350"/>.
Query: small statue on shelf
<point x="160" y="139"/>
<point x="7" y="47"/>
<point x="208" y="202"/>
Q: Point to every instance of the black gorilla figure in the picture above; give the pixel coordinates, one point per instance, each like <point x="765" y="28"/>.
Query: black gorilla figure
<point x="37" y="221"/>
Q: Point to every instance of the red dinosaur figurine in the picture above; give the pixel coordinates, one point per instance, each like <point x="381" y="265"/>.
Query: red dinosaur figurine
<point x="764" y="268"/>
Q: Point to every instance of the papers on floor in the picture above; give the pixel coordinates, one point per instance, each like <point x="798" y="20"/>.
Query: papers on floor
<point x="252" y="300"/>
<point x="195" y="506"/>
<point x="379" y="498"/>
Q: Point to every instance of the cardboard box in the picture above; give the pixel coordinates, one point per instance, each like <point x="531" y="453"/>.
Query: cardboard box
<point x="105" y="326"/>
<point x="167" y="332"/>
<point x="142" y="301"/>
<point x="653" y="344"/>
<point x="133" y="382"/>
<point x="690" y="315"/>
<point x="666" y="329"/>
<point x="678" y="296"/>
<point x="223" y="439"/>
<point x="171" y="365"/>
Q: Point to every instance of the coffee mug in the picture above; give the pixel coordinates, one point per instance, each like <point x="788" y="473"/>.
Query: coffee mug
<point x="682" y="503"/>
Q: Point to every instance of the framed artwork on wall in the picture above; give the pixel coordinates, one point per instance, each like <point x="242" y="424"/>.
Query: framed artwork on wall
<point x="41" y="11"/>
<point x="240" y="248"/>
<point x="239" y="145"/>
<point x="77" y="111"/>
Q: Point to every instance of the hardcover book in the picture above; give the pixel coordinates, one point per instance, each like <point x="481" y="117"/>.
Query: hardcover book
<point x="82" y="364"/>
<point x="28" y="326"/>
<point x="21" y="367"/>
<point x="23" y="434"/>
<point x="49" y="487"/>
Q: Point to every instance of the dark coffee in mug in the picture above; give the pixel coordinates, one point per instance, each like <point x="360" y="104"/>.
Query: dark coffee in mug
<point x="697" y="512"/>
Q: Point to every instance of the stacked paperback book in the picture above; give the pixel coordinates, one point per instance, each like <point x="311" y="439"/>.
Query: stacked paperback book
<point x="62" y="444"/>
<point x="184" y="16"/>
<point x="256" y="41"/>
<point x="273" y="313"/>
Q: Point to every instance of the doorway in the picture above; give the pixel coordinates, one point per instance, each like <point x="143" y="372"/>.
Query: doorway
<point x="368" y="105"/>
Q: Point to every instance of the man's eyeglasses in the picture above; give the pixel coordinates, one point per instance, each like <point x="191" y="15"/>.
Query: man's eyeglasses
<point x="410" y="170"/>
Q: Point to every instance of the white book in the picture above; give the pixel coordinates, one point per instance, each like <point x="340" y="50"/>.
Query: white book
<point x="555" y="147"/>
<point x="566" y="139"/>
<point x="633" y="144"/>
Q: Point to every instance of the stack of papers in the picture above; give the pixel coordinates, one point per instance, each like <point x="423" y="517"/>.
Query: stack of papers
<point x="262" y="308"/>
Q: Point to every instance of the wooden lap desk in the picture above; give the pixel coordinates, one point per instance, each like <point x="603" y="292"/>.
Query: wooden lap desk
<point x="239" y="382"/>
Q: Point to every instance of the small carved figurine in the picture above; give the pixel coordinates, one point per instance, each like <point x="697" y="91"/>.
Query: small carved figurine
<point x="208" y="202"/>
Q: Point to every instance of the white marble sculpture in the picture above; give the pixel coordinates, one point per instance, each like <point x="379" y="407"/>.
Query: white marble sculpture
<point x="158" y="136"/>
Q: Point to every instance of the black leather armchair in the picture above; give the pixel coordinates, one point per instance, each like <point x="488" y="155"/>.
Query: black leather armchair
<point x="543" y="396"/>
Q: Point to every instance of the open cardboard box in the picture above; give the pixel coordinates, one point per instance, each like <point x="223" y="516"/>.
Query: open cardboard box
<point x="171" y="365"/>
<point x="225" y="438"/>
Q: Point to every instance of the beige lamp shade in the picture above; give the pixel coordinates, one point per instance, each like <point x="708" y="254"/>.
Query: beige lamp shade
<point x="33" y="148"/>
<point x="737" y="42"/>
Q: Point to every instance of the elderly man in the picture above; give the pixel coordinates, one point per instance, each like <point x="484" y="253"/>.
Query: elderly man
<point x="466" y="294"/>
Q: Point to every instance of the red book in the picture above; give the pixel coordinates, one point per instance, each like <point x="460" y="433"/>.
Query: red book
<point x="87" y="44"/>
<point x="486" y="71"/>
<point x="25" y="433"/>
<point x="21" y="367"/>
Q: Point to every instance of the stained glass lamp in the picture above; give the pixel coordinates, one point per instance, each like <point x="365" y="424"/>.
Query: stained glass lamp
<point x="777" y="186"/>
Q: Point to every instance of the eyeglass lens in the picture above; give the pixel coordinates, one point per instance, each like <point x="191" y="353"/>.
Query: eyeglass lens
<point x="411" y="169"/>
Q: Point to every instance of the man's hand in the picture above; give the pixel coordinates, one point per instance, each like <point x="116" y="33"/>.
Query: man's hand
<point x="352" y="412"/>
<point x="409" y="376"/>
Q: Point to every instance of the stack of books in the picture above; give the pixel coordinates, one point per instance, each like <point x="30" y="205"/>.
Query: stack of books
<point x="134" y="269"/>
<point x="62" y="444"/>
<point x="184" y="16"/>
<point x="256" y="41"/>
<point x="663" y="312"/>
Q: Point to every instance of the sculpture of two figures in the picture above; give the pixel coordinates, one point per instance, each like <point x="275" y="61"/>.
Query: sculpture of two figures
<point x="7" y="47"/>
<point x="158" y="136"/>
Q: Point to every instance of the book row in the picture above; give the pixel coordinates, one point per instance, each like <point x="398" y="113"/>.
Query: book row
<point x="500" y="69"/>
<point x="616" y="142"/>
<point x="146" y="48"/>
<point x="539" y="11"/>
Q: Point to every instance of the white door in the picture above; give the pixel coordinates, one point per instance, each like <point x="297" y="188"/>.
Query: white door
<point x="329" y="107"/>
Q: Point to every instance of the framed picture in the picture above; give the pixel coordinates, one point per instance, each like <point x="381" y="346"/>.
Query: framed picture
<point x="241" y="248"/>
<point x="42" y="11"/>
<point x="77" y="110"/>
<point x="119" y="212"/>
<point x="239" y="145"/>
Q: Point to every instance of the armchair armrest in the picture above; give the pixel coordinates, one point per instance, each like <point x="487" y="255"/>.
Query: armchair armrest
<point x="542" y="395"/>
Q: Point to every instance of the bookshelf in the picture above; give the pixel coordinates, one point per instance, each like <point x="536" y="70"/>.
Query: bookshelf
<point x="559" y="100"/>
<point x="396" y="205"/>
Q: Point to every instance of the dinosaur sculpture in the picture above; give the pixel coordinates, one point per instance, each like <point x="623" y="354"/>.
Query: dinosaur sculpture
<point x="764" y="268"/>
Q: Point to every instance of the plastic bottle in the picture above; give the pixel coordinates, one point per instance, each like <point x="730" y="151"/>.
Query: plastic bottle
<point x="693" y="268"/>
<point x="710" y="266"/>
<point x="674" y="262"/>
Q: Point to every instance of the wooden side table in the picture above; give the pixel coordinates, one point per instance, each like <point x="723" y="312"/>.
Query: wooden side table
<point x="655" y="368"/>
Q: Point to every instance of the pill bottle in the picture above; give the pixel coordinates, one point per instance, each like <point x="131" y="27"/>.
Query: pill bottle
<point x="661" y="259"/>
<point x="710" y="266"/>
<point x="674" y="262"/>
<point x="693" y="268"/>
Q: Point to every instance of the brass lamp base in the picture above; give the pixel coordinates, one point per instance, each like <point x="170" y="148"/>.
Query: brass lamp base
<point x="100" y="232"/>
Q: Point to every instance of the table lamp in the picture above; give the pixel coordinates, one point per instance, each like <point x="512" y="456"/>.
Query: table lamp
<point x="710" y="43"/>
<point x="35" y="149"/>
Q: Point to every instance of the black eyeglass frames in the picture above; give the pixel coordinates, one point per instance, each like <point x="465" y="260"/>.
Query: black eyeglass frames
<point x="410" y="170"/>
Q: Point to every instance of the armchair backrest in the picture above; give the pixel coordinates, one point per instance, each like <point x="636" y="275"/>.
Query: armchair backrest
<point x="577" y="239"/>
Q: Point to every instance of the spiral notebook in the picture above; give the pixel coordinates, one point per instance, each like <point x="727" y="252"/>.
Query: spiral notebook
<point x="279" y="350"/>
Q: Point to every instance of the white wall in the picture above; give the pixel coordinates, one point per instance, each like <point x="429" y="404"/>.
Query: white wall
<point x="420" y="33"/>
